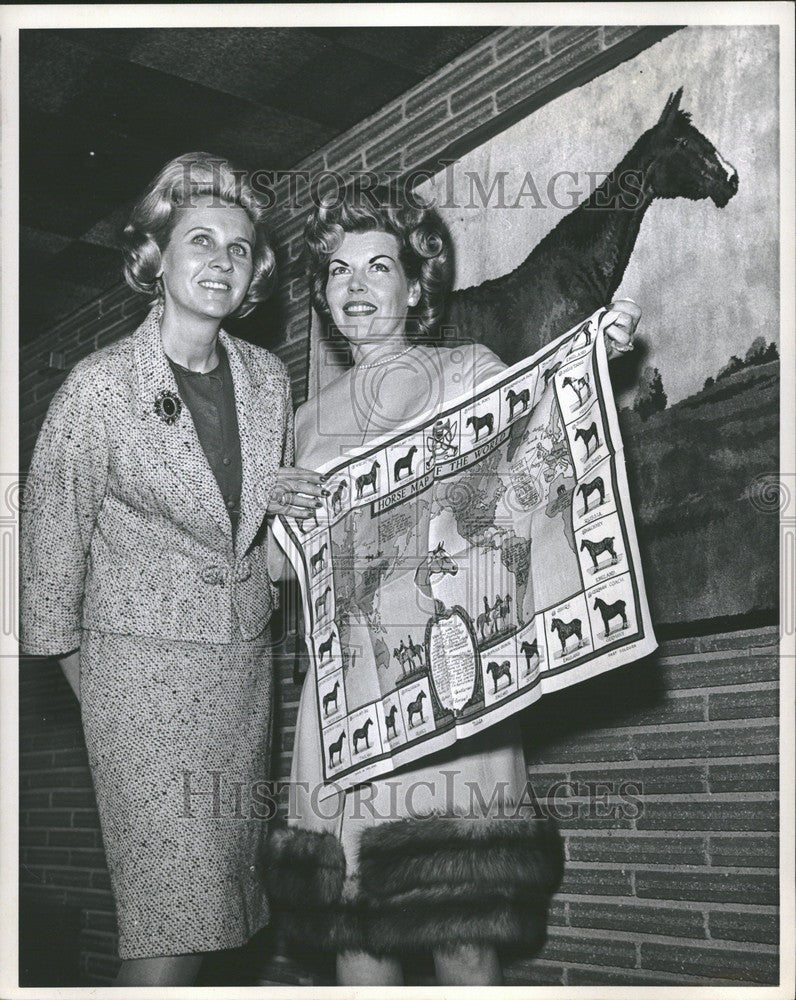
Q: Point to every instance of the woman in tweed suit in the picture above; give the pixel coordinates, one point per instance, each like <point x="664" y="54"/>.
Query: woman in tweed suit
<point x="143" y="567"/>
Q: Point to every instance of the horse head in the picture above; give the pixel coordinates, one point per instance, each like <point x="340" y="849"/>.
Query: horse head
<point x="684" y="163"/>
<point x="440" y="562"/>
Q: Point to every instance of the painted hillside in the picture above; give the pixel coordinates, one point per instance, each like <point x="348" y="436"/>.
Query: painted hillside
<point x="709" y="541"/>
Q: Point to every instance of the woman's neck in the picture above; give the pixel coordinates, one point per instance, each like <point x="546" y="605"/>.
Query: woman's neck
<point x="381" y="352"/>
<point x="191" y="342"/>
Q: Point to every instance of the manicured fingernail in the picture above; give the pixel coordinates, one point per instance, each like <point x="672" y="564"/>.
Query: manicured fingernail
<point x="325" y="493"/>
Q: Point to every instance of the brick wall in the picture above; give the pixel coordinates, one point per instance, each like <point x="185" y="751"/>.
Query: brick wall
<point x="684" y="893"/>
<point x="481" y="93"/>
<point x="683" y="889"/>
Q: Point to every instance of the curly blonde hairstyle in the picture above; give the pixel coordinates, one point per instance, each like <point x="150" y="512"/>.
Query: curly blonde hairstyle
<point x="152" y="220"/>
<point x="425" y="249"/>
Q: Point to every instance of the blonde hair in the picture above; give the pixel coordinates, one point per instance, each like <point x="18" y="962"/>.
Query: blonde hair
<point x="152" y="220"/>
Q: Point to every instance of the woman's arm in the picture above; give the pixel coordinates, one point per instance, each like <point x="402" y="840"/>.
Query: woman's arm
<point x="296" y="492"/>
<point x="63" y="495"/>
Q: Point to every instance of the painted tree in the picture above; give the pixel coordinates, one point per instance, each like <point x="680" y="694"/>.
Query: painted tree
<point x="733" y="365"/>
<point x="756" y="351"/>
<point x="650" y="397"/>
<point x="770" y="354"/>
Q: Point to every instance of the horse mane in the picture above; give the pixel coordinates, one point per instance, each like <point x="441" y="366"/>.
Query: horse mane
<point x="679" y="117"/>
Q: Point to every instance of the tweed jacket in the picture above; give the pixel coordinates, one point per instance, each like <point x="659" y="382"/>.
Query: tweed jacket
<point x="124" y="528"/>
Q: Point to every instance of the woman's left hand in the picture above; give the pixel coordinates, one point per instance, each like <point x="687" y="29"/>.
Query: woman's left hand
<point x="622" y="322"/>
<point x="296" y="492"/>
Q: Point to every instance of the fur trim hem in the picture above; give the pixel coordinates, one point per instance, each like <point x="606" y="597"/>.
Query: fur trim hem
<point x="434" y="881"/>
<point x="304" y="874"/>
<point x="443" y="880"/>
<point x="498" y="856"/>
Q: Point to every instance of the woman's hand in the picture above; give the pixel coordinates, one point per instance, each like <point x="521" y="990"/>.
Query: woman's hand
<point x="297" y="492"/>
<point x="623" y="319"/>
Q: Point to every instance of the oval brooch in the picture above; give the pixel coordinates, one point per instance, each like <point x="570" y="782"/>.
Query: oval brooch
<point x="168" y="406"/>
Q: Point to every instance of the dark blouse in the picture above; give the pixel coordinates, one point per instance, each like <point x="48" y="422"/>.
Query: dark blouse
<point x="210" y="397"/>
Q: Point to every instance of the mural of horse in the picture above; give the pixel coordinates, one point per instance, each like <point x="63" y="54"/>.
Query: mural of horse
<point x="579" y="265"/>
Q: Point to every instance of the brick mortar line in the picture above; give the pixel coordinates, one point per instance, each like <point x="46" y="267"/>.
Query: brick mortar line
<point x="698" y="656"/>
<point x="672" y="978"/>
<point x="684" y="797"/>
<point x="698" y="725"/>
<point x="644" y="902"/>
<point x="629" y="833"/>
<point x="614" y="934"/>
<point x="650" y="868"/>
<point x="672" y="763"/>
<point x="727" y="689"/>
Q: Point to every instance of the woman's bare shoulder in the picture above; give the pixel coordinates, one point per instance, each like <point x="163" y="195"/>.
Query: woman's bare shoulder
<point x="327" y="397"/>
<point x="469" y="363"/>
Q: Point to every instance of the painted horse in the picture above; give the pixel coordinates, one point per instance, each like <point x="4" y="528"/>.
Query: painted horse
<point x="579" y="265"/>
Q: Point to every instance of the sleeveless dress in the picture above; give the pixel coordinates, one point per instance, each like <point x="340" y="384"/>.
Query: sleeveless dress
<point x="436" y="822"/>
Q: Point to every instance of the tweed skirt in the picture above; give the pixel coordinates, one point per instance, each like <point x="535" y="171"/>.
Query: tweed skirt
<point x="178" y="734"/>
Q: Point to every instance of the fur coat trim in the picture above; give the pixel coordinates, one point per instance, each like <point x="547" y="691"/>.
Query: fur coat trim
<point x="304" y="874"/>
<point x="434" y="881"/>
<point x="492" y="857"/>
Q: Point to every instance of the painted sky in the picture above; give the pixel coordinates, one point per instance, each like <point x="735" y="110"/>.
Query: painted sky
<point x="707" y="279"/>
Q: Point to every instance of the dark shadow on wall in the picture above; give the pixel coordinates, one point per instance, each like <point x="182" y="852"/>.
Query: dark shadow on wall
<point x="49" y="945"/>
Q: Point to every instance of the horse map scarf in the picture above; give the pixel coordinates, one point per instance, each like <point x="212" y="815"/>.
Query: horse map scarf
<point x="466" y="565"/>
